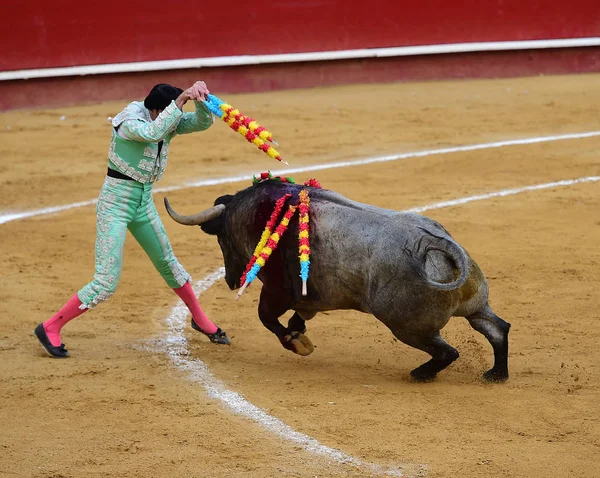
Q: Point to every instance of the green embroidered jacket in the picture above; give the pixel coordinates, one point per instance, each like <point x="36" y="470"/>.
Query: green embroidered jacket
<point x="134" y="147"/>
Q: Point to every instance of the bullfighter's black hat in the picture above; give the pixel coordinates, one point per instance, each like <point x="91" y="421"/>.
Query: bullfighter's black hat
<point x="161" y="95"/>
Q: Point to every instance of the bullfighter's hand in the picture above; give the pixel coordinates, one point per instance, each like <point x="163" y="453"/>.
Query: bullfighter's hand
<point x="200" y="90"/>
<point x="183" y="98"/>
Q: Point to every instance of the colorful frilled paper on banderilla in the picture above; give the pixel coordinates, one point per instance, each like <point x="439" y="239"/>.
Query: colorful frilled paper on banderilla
<point x="271" y="236"/>
<point x="246" y="126"/>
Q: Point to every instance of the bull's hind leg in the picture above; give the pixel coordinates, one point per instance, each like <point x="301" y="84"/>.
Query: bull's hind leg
<point x="442" y="354"/>
<point x="496" y="331"/>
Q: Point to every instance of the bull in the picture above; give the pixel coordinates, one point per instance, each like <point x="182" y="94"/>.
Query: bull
<point x="403" y="268"/>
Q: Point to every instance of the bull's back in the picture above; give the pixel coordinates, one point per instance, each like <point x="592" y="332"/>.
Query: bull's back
<point x="357" y="250"/>
<point x="372" y="258"/>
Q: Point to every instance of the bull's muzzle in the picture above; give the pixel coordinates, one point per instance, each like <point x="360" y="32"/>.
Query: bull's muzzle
<point x="196" y="219"/>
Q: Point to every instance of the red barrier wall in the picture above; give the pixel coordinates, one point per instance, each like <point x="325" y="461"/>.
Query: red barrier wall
<point x="49" y="92"/>
<point x="42" y="33"/>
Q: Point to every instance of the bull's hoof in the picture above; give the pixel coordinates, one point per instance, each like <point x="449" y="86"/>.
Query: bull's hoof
<point x="299" y="343"/>
<point x="422" y="376"/>
<point x="497" y="376"/>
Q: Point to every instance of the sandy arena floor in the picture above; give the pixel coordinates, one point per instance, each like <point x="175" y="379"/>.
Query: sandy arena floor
<point x="118" y="407"/>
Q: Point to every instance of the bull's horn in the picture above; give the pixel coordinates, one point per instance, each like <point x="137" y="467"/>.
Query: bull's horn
<point x="196" y="219"/>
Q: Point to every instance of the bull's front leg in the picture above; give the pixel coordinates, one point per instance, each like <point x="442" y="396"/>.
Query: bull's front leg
<point x="296" y="323"/>
<point x="272" y="306"/>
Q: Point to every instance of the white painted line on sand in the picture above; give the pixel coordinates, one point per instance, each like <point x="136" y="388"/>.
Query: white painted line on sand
<point x="506" y="192"/>
<point x="14" y="216"/>
<point x="176" y="346"/>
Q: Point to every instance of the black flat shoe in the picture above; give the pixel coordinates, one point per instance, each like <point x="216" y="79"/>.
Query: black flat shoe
<point x="53" y="351"/>
<point x="219" y="337"/>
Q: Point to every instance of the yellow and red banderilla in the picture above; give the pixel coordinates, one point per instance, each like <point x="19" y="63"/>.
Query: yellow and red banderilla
<point x="246" y="126"/>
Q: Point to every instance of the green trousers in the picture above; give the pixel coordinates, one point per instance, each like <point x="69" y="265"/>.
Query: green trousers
<point x="123" y="205"/>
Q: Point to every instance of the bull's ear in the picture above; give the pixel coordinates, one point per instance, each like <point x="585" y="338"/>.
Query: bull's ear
<point x="224" y="199"/>
<point x="213" y="227"/>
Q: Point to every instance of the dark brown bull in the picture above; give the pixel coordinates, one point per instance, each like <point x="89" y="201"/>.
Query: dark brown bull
<point x="403" y="268"/>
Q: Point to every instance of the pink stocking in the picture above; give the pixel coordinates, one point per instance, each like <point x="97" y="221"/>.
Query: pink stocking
<point x="55" y="323"/>
<point x="186" y="294"/>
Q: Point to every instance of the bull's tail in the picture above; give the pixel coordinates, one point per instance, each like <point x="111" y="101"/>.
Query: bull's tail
<point x="446" y="246"/>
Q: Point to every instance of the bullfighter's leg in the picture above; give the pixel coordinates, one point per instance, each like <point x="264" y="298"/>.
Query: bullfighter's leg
<point x="496" y="331"/>
<point x="116" y="206"/>
<point x="442" y="354"/>
<point x="272" y="306"/>
<point x="149" y="232"/>
<point x="114" y="210"/>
